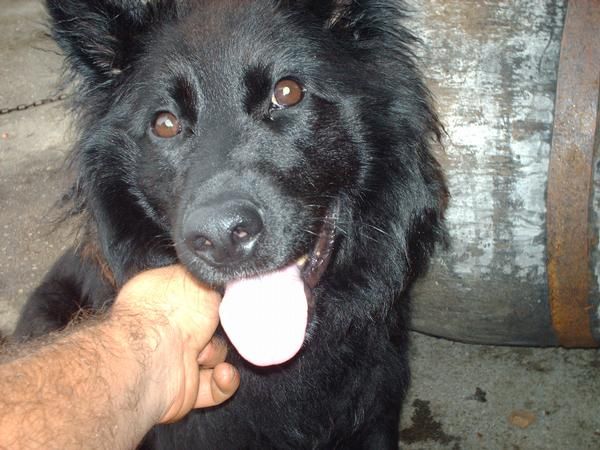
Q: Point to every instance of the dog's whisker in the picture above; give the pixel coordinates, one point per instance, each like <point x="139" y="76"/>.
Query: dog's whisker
<point x="379" y="230"/>
<point x="312" y="233"/>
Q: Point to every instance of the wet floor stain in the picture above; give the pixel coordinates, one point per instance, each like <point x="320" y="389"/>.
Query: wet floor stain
<point x="425" y="428"/>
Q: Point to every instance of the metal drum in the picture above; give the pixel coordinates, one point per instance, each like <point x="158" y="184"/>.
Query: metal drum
<point x="522" y="161"/>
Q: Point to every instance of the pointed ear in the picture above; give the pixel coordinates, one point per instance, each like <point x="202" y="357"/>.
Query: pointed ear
<point x="101" y="37"/>
<point x="334" y="13"/>
<point x="330" y="12"/>
<point x="360" y="20"/>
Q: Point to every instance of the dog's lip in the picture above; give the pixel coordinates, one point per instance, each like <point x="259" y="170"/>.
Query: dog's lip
<point x="313" y="265"/>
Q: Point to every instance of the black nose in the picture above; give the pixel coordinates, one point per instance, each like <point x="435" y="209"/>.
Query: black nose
<point x="223" y="232"/>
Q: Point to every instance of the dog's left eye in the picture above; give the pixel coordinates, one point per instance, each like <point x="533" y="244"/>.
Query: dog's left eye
<point x="166" y="125"/>
<point x="287" y="92"/>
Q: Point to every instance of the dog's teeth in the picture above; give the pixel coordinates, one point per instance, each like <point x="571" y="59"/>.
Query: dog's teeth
<point x="302" y="261"/>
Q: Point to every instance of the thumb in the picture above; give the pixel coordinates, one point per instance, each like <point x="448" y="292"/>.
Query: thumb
<point x="217" y="385"/>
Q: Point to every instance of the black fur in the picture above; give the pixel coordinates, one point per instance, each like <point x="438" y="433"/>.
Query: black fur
<point x="360" y="139"/>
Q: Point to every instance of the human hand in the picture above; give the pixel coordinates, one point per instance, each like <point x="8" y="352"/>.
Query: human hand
<point x="170" y="318"/>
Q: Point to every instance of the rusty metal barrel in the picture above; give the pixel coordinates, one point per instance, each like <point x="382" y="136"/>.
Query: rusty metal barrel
<point x="517" y="86"/>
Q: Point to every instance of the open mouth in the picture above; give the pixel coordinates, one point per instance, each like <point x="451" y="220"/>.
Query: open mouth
<point x="266" y="316"/>
<point x="313" y="265"/>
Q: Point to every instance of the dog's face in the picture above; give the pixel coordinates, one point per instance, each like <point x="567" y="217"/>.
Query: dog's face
<point x="245" y="135"/>
<point x="241" y="128"/>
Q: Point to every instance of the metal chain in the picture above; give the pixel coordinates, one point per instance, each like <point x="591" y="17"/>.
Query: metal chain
<point x="35" y="104"/>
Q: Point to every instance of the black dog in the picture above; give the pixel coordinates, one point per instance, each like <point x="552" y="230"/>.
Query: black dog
<point x="254" y="140"/>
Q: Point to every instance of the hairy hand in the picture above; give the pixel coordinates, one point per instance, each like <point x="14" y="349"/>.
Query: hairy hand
<point x="169" y="319"/>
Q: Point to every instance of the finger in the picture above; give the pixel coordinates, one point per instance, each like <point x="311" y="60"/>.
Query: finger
<point x="213" y="354"/>
<point x="217" y="385"/>
<point x="225" y="381"/>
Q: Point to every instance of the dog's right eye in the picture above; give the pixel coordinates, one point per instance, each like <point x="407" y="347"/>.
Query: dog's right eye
<point x="166" y="125"/>
<point x="287" y="93"/>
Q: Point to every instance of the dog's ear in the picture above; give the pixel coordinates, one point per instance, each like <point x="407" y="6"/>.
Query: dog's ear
<point x="101" y="37"/>
<point x="338" y="14"/>
<point x="360" y="20"/>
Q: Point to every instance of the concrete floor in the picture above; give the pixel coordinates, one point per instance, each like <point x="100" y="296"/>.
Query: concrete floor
<point x="463" y="396"/>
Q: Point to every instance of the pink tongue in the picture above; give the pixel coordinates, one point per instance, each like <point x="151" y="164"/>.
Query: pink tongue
<point x="265" y="317"/>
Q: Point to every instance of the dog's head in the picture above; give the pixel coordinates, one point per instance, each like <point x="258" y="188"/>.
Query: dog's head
<point x="254" y="137"/>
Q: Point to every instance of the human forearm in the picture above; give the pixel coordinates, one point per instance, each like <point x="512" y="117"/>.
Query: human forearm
<point x="83" y="389"/>
<point x="105" y="384"/>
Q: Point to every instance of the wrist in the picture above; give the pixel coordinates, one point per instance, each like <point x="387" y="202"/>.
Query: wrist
<point x="140" y="343"/>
